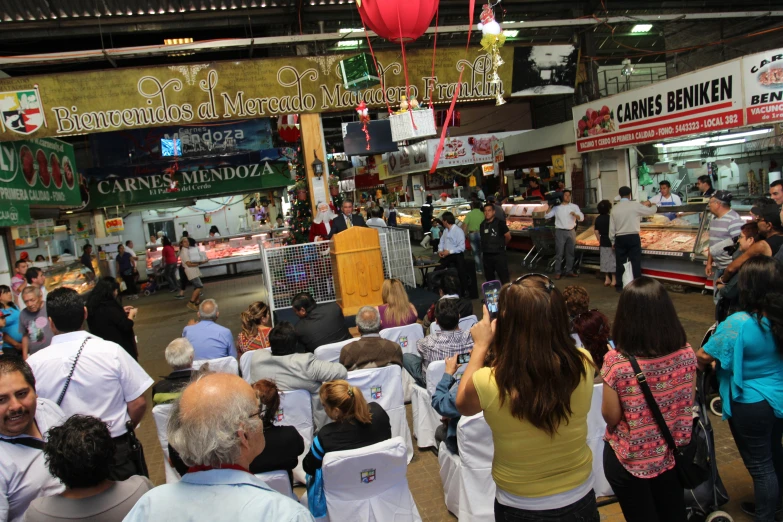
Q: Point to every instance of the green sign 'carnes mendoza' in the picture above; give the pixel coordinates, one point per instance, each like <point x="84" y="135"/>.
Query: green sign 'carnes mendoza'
<point x="168" y="186"/>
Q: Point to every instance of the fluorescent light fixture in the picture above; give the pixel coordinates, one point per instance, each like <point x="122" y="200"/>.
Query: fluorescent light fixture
<point x="69" y="211"/>
<point x="728" y="142"/>
<point x="345" y="31"/>
<point x="641" y="28"/>
<point x="348" y="43"/>
<point x="740" y="135"/>
<point x="177" y="41"/>
<point x="510" y="33"/>
<point x="688" y="143"/>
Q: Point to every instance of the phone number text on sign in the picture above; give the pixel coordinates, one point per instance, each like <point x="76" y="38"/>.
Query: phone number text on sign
<point x="712" y="122"/>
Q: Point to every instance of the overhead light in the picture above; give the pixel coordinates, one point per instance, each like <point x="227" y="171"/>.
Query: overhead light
<point x="345" y="31"/>
<point x="728" y="142"/>
<point x="177" y="41"/>
<point x="740" y="135"/>
<point x="510" y="33"/>
<point x="688" y="143"/>
<point x="641" y="28"/>
<point x="69" y="211"/>
<point x="348" y="43"/>
<point x="627" y="68"/>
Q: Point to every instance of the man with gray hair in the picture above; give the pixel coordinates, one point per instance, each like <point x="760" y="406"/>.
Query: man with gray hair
<point x="179" y="354"/>
<point x="34" y="322"/>
<point x="370" y="351"/>
<point x="209" y="339"/>
<point x="215" y="427"/>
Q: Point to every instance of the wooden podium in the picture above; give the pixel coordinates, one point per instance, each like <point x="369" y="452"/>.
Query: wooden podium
<point x="357" y="267"/>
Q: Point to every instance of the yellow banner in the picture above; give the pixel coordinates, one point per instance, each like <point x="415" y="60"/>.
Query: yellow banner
<point x="115" y="99"/>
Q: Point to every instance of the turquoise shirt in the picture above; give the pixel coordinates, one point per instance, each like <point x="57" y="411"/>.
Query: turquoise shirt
<point x="751" y="367"/>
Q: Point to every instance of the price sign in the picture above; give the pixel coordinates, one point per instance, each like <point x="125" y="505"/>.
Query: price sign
<point x="114" y="225"/>
<point x="488" y="169"/>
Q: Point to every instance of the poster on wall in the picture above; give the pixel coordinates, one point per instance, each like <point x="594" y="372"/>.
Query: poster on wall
<point x="464" y="150"/>
<point x="409" y="158"/>
<point x="763" y="83"/>
<point x="706" y="100"/>
<point x="544" y="69"/>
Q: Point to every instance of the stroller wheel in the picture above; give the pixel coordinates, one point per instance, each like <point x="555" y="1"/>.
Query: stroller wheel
<point x="719" y="516"/>
<point x="147" y="293"/>
<point x="716" y="406"/>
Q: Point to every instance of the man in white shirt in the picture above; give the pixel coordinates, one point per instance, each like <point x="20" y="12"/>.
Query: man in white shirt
<point x="24" y="420"/>
<point x="106" y="382"/>
<point x="624" y="228"/>
<point x="566" y="215"/>
<point x="451" y="249"/>
<point x="445" y="199"/>
<point x="665" y="198"/>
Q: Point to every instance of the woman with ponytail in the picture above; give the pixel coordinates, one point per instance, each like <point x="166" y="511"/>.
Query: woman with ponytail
<point x="256" y="324"/>
<point x="748" y="348"/>
<point x="356" y="423"/>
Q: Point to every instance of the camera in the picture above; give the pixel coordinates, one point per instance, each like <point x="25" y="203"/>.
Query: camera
<point x="553" y="198"/>
<point x="733" y="247"/>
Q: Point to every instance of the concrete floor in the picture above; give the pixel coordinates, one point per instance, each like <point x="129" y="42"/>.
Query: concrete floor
<point x="161" y="318"/>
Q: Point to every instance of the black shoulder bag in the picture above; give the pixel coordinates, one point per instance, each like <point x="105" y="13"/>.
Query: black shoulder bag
<point x="690" y="461"/>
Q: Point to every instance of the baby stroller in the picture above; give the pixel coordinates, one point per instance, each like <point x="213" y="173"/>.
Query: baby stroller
<point x="713" y="397"/>
<point x="150" y="287"/>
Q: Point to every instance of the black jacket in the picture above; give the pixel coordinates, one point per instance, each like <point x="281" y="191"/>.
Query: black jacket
<point x="110" y="322"/>
<point x="338" y="223"/>
<point x="323" y="325"/>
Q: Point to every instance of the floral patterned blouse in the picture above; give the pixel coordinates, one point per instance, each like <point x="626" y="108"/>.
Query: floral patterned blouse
<point x="247" y="344"/>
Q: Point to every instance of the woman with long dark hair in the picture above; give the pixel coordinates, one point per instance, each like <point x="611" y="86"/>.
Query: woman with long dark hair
<point x="638" y="463"/>
<point x="108" y="319"/>
<point x="748" y="347"/>
<point x="535" y="396"/>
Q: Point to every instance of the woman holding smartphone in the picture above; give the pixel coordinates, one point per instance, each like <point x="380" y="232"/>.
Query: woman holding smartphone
<point x="535" y="395"/>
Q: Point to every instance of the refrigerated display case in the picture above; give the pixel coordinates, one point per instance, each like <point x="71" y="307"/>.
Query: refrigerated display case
<point x="410" y="217"/>
<point x="71" y="275"/>
<point x="519" y="217"/>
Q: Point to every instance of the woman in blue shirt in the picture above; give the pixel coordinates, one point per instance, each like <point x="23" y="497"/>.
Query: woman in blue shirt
<point x="12" y="337"/>
<point x="748" y="347"/>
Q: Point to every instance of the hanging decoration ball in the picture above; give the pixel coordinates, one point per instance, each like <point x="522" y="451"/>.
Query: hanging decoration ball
<point x="395" y="20"/>
<point x="288" y="128"/>
<point x="491" y="43"/>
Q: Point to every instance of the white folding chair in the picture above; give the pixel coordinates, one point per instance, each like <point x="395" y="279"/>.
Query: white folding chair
<point x="384" y="386"/>
<point x="222" y="365"/>
<point x="467" y="322"/>
<point x="161" y="414"/>
<point x="407" y="337"/>
<point x="369" y="484"/>
<point x="425" y="419"/>
<point x="245" y="365"/>
<point x="331" y="352"/>
<point x="296" y="410"/>
<point x="279" y="481"/>
<point x="596" y="427"/>
<point x="467" y="478"/>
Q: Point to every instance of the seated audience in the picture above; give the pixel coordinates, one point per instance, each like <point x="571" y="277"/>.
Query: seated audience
<point x="294" y="371"/>
<point x="449" y="289"/>
<point x="356" y="423"/>
<point x="283" y="443"/>
<point x="396" y="309"/>
<point x="80" y="453"/>
<point x="223" y="411"/>
<point x="105" y="381"/>
<point x="577" y="300"/>
<point x="444" y="401"/>
<point x="748" y="348"/>
<point x="318" y="324"/>
<point x="209" y="339"/>
<point x="592" y="329"/>
<point x="179" y="355"/>
<point x="448" y="341"/>
<point x="638" y="462"/>
<point x="535" y="396"/>
<point x="34" y="322"/>
<point x="108" y="319"/>
<point x="370" y="351"/>
<point x="256" y="324"/>
<point x="376" y="218"/>
<point x="25" y="420"/>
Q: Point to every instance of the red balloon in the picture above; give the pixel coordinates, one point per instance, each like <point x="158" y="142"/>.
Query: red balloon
<point x="396" y="20"/>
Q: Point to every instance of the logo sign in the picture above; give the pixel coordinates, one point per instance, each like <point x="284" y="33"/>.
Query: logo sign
<point x="14" y="214"/>
<point x="114" y="225"/>
<point x="39" y="172"/>
<point x="488" y="169"/>
<point x="280" y="415"/>
<point x="762" y="76"/>
<point x="558" y="163"/>
<point x="376" y="392"/>
<point x="367" y="476"/>
<point x="403" y="341"/>
<point x="22" y="111"/>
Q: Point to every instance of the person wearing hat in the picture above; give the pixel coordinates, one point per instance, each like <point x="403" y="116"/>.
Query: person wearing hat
<point x="771" y="232"/>
<point x="445" y="199"/>
<point x="724" y="230"/>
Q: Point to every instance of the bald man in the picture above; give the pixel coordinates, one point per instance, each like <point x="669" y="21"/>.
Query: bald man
<point x="223" y="411"/>
<point x="209" y="339"/>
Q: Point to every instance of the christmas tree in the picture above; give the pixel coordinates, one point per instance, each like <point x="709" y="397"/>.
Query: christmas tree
<point x="301" y="214"/>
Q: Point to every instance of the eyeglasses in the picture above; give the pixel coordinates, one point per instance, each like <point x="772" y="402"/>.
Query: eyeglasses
<point x="549" y="286"/>
<point x="260" y="413"/>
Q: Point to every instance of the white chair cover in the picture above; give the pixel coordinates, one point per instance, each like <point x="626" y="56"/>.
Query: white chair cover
<point x="296" y="410"/>
<point x="596" y="427"/>
<point x="331" y="352"/>
<point x="467" y="477"/>
<point x="369" y="484"/>
<point x="425" y="419"/>
<point x="406" y="336"/>
<point x="278" y="480"/>
<point x="244" y="365"/>
<point x="464" y="324"/>
<point x="222" y="365"/>
<point x="160" y="415"/>
<point x="384" y="386"/>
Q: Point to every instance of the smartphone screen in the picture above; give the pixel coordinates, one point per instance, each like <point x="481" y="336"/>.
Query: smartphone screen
<point x="463" y="358"/>
<point x="491" y="291"/>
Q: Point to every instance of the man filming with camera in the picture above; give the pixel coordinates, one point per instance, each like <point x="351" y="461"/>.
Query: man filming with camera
<point x="566" y="216"/>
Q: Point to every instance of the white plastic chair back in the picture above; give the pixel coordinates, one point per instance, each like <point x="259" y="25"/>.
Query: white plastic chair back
<point x="406" y="336"/>
<point x="384" y="386"/>
<point x="223" y="365"/>
<point x="369" y="484"/>
<point x="434" y="327"/>
<point x="467" y="322"/>
<point x="596" y="427"/>
<point x="331" y="352"/>
<point x="245" y="365"/>
<point x="161" y="414"/>
<point x="425" y="419"/>
<point x="435" y="371"/>
<point x="296" y="409"/>
<point x="278" y="480"/>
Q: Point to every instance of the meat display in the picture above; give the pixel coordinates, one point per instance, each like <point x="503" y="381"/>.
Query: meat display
<point x="670" y="240"/>
<point x="222" y="252"/>
<point x="519" y="225"/>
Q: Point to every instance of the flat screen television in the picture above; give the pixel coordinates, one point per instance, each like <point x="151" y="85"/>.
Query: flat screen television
<point x="170" y="147"/>
<point x="355" y="141"/>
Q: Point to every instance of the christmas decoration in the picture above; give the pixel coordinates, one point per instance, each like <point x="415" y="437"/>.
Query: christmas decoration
<point x="359" y="72"/>
<point x="491" y="43"/>
<point x="288" y="128"/>
<point x="301" y="214"/>
<point x="397" y="21"/>
<point x="364" y="118"/>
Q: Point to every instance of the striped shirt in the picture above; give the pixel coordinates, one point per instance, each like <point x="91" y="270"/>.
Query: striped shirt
<point x="442" y="344"/>
<point x="722" y="229"/>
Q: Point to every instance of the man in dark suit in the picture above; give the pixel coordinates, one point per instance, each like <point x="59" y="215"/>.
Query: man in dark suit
<point x="346" y="219"/>
<point x="319" y="324"/>
<point x="370" y="351"/>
